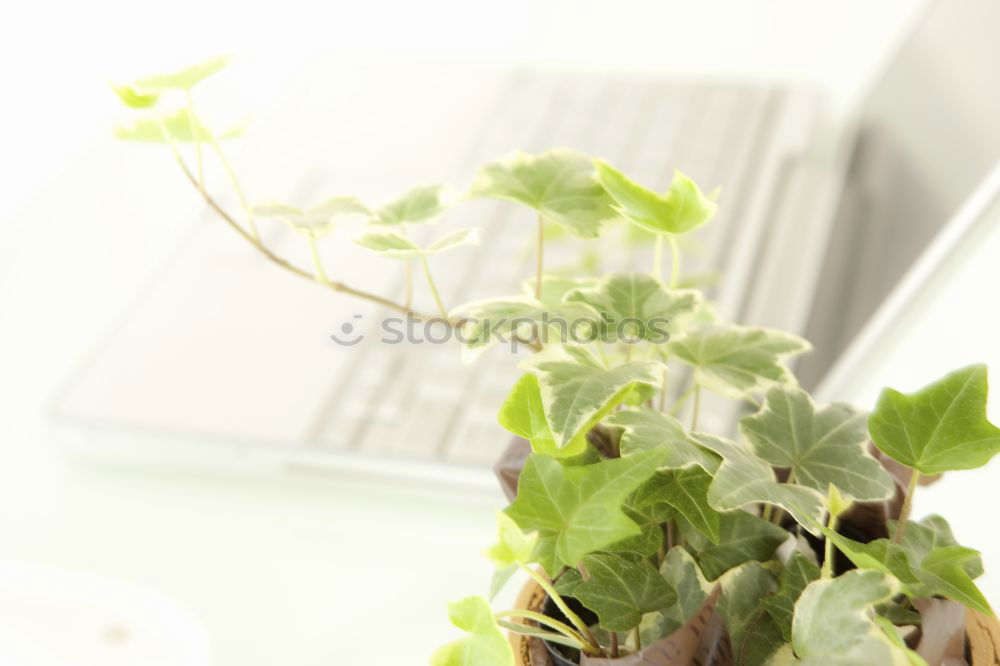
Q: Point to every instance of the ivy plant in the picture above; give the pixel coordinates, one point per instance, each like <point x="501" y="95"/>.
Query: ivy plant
<point x="626" y="505"/>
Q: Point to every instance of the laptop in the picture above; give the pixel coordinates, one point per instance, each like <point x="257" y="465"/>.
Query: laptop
<point x="225" y="361"/>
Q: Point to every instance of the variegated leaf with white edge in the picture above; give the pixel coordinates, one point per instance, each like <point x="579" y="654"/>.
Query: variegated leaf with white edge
<point x="820" y="446"/>
<point x="737" y="361"/>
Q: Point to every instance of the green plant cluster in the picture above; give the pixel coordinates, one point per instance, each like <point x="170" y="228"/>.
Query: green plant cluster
<point x="626" y="503"/>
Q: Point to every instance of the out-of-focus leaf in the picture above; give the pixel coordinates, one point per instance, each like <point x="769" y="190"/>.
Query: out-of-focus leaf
<point x="134" y="99"/>
<point x="737" y="361"/>
<point x="681" y="209"/>
<point x="397" y="246"/>
<point x="420" y="204"/>
<point x="743" y="537"/>
<point x="653" y="311"/>
<point x="560" y="184"/>
<point x="184" y="79"/>
<point x="316" y="221"/>
<point x="484" y="646"/>
<point x="798" y="572"/>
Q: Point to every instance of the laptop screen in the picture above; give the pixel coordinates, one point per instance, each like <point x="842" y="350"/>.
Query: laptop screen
<point x="927" y="134"/>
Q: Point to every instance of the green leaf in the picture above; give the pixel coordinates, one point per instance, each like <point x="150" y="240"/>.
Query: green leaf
<point x="513" y="546"/>
<point x="419" y="204"/>
<point x="798" y="572"/>
<point x="834" y="622"/>
<point x="559" y="184"/>
<point x="941" y="427"/>
<point x="180" y="126"/>
<point x="496" y="320"/>
<point x="581" y="507"/>
<point x="621" y="589"/>
<point x="316" y="221"/>
<point x="743" y="537"/>
<point x="524" y="415"/>
<point x="929" y="562"/>
<point x="576" y="397"/>
<point x="648" y="508"/>
<point x="652" y="311"/>
<point x="184" y="79"/>
<point x="744" y="478"/>
<point x="820" y="447"/>
<point x="555" y="288"/>
<point x="485" y="646"/>
<point x="397" y="246"/>
<point x="739" y="604"/>
<point x="682" y="209"/>
<point x="134" y="99"/>
<point x="645" y="428"/>
<point x="743" y="588"/>
<point x="687" y="492"/>
<point x="737" y="361"/>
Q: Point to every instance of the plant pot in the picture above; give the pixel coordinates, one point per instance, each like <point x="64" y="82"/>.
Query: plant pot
<point x="982" y="638"/>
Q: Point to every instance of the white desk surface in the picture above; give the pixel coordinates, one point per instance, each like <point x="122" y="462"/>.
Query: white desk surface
<point x="302" y="572"/>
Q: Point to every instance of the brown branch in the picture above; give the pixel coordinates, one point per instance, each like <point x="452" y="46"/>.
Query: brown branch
<point x="287" y="265"/>
<point x="301" y="272"/>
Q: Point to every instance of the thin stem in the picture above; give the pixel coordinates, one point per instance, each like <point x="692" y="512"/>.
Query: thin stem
<point x="614" y="644"/>
<point x="408" y="293"/>
<point x="696" y="408"/>
<point x="540" y="257"/>
<point x="283" y="263"/>
<point x="196" y="137"/>
<point x="561" y="605"/>
<point x="434" y="290"/>
<point x="664" y="388"/>
<point x="675" y="255"/>
<point x="827" y="571"/>
<point x="637" y="637"/>
<point x="543" y="619"/>
<point x="904" y="513"/>
<point x="658" y="257"/>
<point x="231" y="173"/>
<point x="766" y="512"/>
<point x="681" y="400"/>
<point x="317" y="263"/>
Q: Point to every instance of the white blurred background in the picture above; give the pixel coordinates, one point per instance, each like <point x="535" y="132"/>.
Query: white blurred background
<point x="175" y="567"/>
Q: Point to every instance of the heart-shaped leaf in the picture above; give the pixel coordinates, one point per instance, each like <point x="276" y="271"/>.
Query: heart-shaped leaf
<point x="744" y="478"/>
<point x="560" y="184"/>
<point x="636" y="306"/>
<point x="484" y="646"/>
<point x="743" y="537"/>
<point x="397" y="246"/>
<point x="578" y="508"/>
<point x="737" y="361"/>
<point x="577" y="396"/>
<point x="513" y="546"/>
<point x="420" y="204"/>
<point x="834" y="623"/>
<point x="645" y="428"/>
<point x="819" y="446"/>
<point x="928" y="562"/>
<point x="681" y="209"/>
<point x="523" y="414"/>
<point x="317" y="221"/>
<point x="621" y="588"/>
<point x="941" y="427"/>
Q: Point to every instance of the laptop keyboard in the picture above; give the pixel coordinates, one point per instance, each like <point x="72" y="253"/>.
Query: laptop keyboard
<point x="421" y="402"/>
